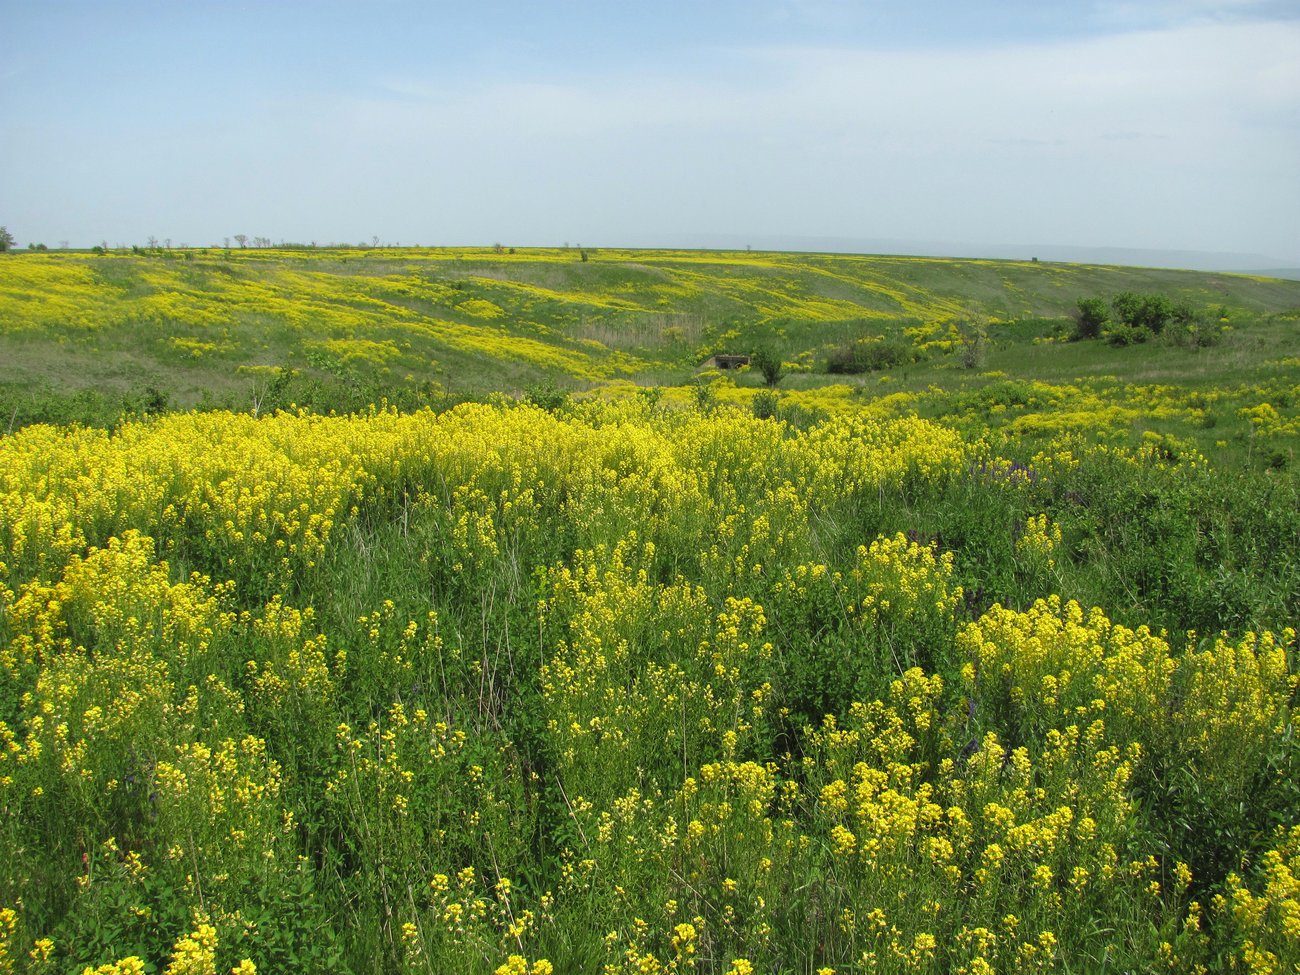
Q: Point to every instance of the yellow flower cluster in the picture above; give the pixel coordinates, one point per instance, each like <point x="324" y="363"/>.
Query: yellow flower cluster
<point x="8" y="922"/>
<point x="897" y="579"/>
<point x="518" y="965"/>
<point x="1267" y="924"/>
<point x="195" y="953"/>
<point x="227" y="798"/>
<point x="1056" y="664"/>
<point x="1052" y="665"/>
<point x="1039" y="541"/>
<point x="1266" y="421"/>
<point x="618" y="697"/>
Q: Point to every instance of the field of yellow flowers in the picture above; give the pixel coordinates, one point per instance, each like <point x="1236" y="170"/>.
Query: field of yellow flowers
<point x="979" y="678"/>
<point x="636" y="688"/>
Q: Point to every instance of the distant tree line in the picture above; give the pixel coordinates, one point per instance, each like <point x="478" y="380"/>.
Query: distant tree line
<point x="8" y="243"/>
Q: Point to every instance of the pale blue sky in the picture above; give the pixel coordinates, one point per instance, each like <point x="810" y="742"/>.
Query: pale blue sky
<point x="1172" y="124"/>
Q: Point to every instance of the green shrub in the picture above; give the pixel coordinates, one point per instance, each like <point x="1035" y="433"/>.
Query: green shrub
<point x="769" y="364"/>
<point x="867" y="355"/>
<point x="547" y="396"/>
<point x="1091" y="318"/>
<point x="1122" y="335"/>
<point x="1151" y="312"/>
<point x="766" y="405"/>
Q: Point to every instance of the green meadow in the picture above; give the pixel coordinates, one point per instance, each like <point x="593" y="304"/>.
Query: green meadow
<point x="91" y="337"/>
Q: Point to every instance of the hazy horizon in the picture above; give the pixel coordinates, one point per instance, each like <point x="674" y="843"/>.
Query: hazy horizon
<point x="1163" y="127"/>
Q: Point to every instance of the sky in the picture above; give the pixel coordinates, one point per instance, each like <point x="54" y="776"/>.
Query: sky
<point x="1166" y="124"/>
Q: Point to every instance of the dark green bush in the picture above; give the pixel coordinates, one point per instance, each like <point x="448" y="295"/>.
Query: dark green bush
<point x="547" y="396"/>
<point x="1091" y="318"/>
<point x="769" y="364"/>
<point x="1122" y="335"/>
<point x="766" y="405"/>
<point x="1151" y="312"/>
<point x="866" y="355"/>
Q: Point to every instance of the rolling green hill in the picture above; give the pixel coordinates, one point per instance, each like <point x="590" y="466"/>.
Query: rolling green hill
<point x="89" y="337"/>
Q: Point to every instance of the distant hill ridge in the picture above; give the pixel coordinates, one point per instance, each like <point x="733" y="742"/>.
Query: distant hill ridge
<point x="1191" y="260"/>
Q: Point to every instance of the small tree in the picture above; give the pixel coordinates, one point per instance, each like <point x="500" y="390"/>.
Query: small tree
<point x="769" y="364"/>
<point x="1091" y="318"/>
<point x="1157" y="312"/>
<point x="973" y="337"/>
<point x="6" y="239"/>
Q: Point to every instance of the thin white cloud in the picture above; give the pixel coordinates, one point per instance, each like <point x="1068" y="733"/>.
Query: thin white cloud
<point x="1177" y="79"/>
<point x="1174" y="13"/>
<point x="1142" y="137"/>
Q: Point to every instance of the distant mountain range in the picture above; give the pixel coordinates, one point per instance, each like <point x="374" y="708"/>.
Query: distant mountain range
<point x="1263" y="264"/>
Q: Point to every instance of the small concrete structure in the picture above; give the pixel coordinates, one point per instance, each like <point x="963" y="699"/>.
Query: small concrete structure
<point x="725" y="361"/>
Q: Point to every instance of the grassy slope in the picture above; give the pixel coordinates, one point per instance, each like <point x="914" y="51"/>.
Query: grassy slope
<point x="209" y="328"/>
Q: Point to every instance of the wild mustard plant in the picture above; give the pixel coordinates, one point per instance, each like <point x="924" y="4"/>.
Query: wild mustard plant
<point x="621" y="689"/>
